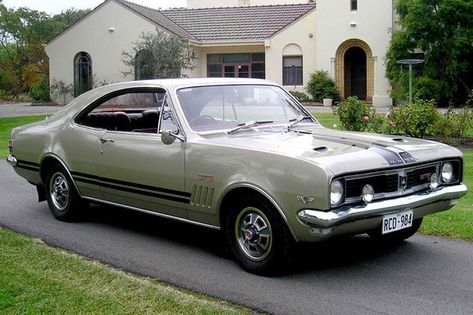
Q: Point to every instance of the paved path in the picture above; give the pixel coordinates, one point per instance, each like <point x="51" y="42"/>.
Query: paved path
<point x="26" y="109"/>
<point x="426" y="275"/>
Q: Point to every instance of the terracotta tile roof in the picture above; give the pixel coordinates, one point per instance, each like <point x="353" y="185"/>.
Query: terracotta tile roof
<point x="226" y="23"/>
<point x="158" y="18"/>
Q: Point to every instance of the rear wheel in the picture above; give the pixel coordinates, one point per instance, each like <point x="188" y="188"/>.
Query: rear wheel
<point x="397" y="236"/>
<point x="63" y="199"/>
<point x="258" y="237"/>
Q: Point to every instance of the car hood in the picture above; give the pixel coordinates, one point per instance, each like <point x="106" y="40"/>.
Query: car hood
<point x="338" y="151"/>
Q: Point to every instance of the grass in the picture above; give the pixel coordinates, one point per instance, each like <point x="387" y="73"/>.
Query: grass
<point x="38" y="279"/>
<point x="457" y="222"/>
<point x="7" y="124"/>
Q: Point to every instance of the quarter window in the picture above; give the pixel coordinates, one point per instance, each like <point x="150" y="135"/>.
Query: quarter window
<point x="292" y="70"/>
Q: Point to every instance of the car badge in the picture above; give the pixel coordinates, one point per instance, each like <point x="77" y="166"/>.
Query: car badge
<point x="305" y="199"/>
<point x="403" y="182"/>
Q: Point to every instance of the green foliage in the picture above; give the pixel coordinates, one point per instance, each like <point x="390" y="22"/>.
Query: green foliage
<point x="23" y="33"/>
<point x="300" y="96"/>
<point x="40" y="91"/>
<point x="356" y="115"/>
<point x="454" y="124"/>
<point x="442" y="30"/>
<point x="415" y="120"/>
<point x="159" y="55"/>
<point x="5" y="95"/>
<point x="321" y="86"/>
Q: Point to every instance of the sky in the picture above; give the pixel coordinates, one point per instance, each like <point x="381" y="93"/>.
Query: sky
<point x="56" y="6"/>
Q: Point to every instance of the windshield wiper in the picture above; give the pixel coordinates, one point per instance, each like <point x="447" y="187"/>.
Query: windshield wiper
<point x="295" y="121"/>
<point x="249" y="124"/>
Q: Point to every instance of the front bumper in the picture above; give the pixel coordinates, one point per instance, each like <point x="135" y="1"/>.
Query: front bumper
<point x="11" y="159"/>
<point x="359" y="219"/>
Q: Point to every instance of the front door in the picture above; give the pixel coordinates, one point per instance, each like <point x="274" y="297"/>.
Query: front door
<point x="237" y="71"/>
<point x="355" y="73"/>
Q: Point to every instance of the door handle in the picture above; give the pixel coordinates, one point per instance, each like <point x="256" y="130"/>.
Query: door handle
<point x="106" y="140"/>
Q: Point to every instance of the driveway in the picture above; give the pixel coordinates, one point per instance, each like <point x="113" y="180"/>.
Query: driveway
<point x="26" y="109"/>
<point x="425" y="275"/>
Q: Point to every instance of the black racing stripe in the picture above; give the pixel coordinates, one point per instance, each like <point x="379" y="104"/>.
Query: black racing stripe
<point x="135" y="185"/>
<point x="34" y="169"/>
<point x="28" y="163"/>
<point x="389" y="156"/>
<point x="131" y="190"/>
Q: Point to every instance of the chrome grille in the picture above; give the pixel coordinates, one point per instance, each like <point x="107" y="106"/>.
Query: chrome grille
<point x="420" y="176"/>
<point x="381" y="183"/>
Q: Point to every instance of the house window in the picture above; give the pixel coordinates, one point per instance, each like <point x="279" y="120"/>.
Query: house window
<point x="292" y="70"/>
<point x="143" y="71"/>
<point x="354" y="5"/>
<point x="244" y="65"/>
<point x="82" y="73"/>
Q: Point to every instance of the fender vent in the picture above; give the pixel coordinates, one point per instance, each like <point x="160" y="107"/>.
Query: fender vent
<point x="202" y="196"/>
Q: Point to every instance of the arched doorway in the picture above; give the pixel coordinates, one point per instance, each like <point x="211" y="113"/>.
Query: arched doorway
<point x="355" y="72"/>
<point x="82" y="73"/>
<point x="354" y="69"/>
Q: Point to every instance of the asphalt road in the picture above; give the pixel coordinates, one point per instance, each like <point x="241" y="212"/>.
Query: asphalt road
<point x="425" y="275"/>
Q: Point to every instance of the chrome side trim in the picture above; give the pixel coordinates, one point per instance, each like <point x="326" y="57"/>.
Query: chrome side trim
<point x="328" y="219"/>
<point x="162" y="215"/>
<point x="11" y="159"/>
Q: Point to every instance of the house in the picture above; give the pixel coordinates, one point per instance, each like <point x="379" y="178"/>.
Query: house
<point x="280" y="40"/>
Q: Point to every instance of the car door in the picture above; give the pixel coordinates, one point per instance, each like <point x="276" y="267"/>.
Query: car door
<point x="138" y="170"/>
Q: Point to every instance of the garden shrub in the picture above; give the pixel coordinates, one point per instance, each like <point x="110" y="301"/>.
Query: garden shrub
<point x="40" y="91"/>
<point x="453" y="125"/>
<point x="321" y="86"/>
<point x="416" y="120"/>
<point x="356" y="115"/>
<point x="300" y="96"/>
<point x="5" y="95"/>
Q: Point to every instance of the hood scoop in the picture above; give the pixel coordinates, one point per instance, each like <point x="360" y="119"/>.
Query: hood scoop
<point x="321" y="149"/>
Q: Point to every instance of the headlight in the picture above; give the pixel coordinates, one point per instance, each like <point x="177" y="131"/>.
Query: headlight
<point x="447" y="172"/>
<point x="336" y="192"/>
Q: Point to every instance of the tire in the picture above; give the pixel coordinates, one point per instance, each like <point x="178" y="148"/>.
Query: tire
<point x="257" y="236"/>
<point x="63" y="198"/>
<point x="398" y="236"/>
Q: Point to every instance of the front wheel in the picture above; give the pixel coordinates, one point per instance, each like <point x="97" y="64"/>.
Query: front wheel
<point x="63" y="199"/>
<point x="397" y="236"/>
<point x="257" y="235"/>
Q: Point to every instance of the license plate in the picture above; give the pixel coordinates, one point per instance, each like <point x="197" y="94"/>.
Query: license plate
<point x="398" y="221"/>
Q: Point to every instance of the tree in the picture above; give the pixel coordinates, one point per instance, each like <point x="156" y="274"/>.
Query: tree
<point x="441" y="32"/>
<point x="159" y="55"/>
<point x="23" y="34"/>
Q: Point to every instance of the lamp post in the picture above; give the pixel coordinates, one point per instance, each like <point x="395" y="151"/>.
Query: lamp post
<point x="410" y="62"/>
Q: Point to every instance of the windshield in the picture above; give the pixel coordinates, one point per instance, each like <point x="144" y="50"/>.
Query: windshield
<point x="226" y="107"/>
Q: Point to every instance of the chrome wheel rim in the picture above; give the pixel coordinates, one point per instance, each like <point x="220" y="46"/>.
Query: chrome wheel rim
<point x="59" y="191"/>
<point x="253" y="233"/>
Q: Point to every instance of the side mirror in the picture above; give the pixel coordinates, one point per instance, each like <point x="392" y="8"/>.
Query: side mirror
<point x="167" y="137"/>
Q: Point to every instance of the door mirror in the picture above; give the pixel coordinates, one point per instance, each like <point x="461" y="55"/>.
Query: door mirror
<point x="167" y="137"/>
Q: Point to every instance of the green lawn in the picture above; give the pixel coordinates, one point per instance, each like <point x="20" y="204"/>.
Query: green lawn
<point x="7" y="124"/>
<point x="38" y="279"/>
<point x="457" y="222"/>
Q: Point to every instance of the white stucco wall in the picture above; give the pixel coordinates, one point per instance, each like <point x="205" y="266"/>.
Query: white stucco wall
<point x="373" y="22"/>
<point x="296" y="34"/>
<point x="92" y="35"/>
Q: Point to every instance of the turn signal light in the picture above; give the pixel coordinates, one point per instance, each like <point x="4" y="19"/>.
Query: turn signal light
<point x="10" y="145"/>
